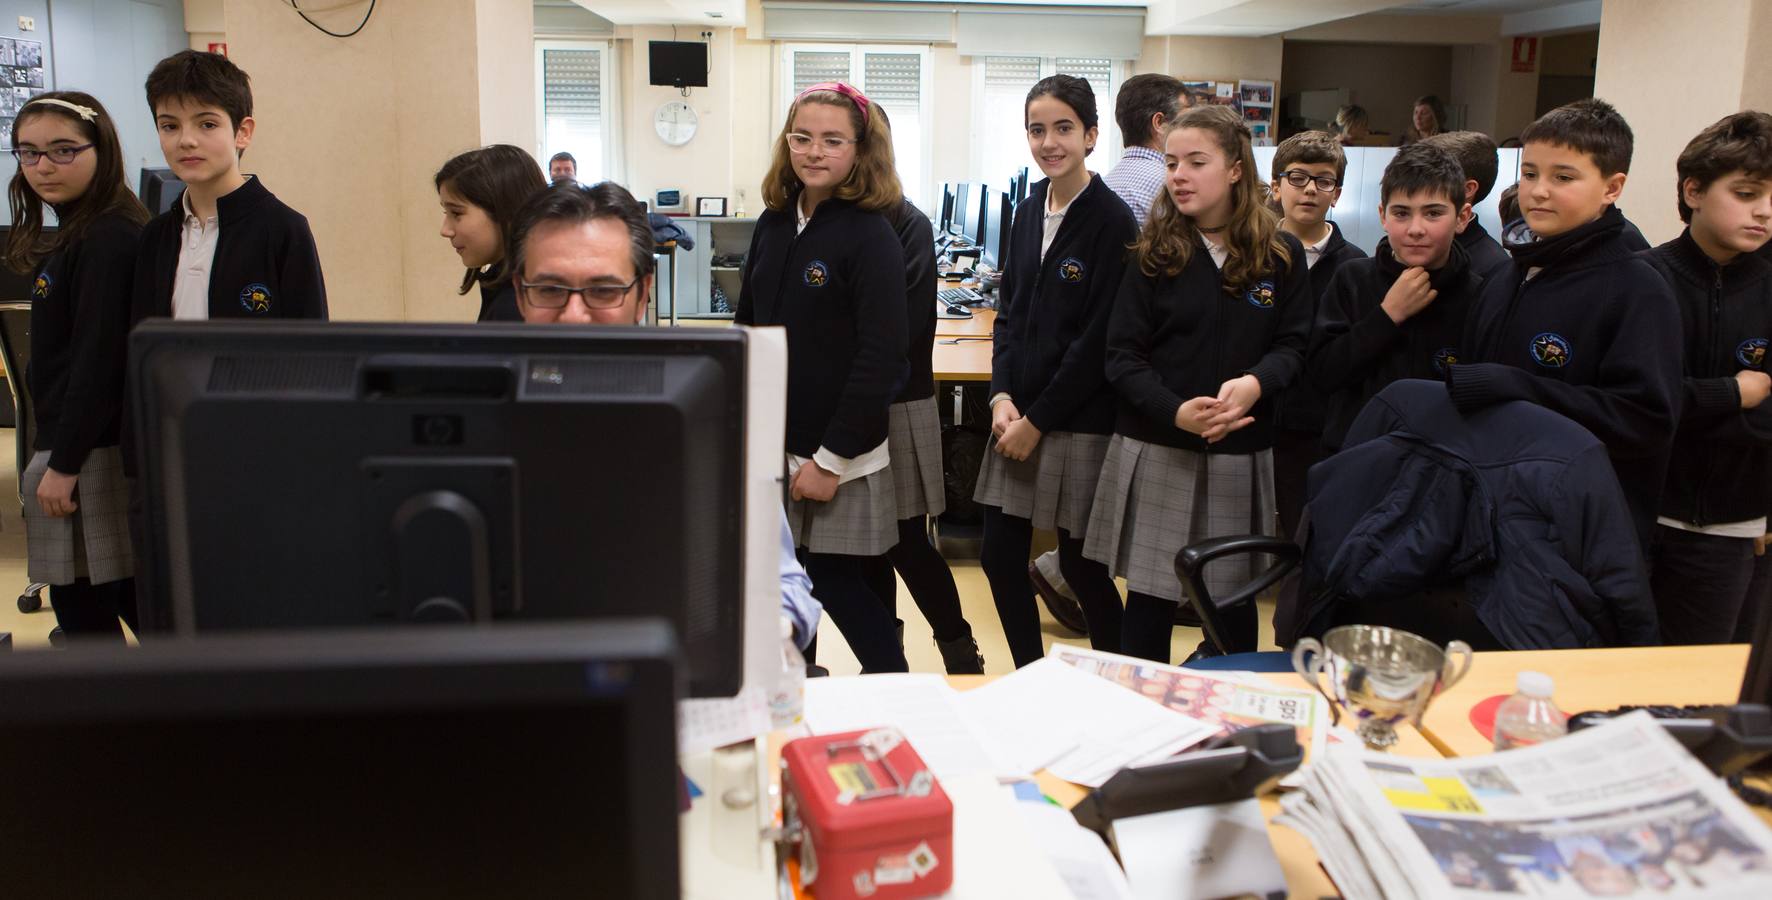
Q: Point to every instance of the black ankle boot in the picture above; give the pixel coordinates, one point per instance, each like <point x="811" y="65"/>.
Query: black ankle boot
<point x="960" y="656"/>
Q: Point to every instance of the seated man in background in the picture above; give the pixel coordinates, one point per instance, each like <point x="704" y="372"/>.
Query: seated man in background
<point x="583" y="256"/>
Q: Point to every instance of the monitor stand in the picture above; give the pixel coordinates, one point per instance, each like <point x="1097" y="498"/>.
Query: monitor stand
<point x="726" y="851"/>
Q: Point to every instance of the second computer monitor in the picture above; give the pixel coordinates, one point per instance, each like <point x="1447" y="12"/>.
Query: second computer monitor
<point x="999" y="214"/>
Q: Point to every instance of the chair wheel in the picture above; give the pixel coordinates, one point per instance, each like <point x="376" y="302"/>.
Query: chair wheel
<point x="57" y="638"/>
<point x="29" y="603"/>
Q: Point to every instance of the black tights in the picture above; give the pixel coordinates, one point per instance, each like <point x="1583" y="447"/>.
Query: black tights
<point x="89" y="612"/>
<point x="1004" y="558"/>
<point x="1150" y="622"/>
<point x="840" y="584"/>
<point x="926" y="576"/>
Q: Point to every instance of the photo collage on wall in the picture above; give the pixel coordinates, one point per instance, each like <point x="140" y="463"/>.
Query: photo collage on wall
<point x="1254" y="99"/>
<point x="21" y="78"/>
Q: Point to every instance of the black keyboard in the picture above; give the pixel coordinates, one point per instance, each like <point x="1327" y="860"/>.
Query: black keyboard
<point x="959" y="295"/>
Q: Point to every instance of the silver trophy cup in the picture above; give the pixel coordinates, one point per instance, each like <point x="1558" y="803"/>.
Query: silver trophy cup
<point x="1380" y="676"/>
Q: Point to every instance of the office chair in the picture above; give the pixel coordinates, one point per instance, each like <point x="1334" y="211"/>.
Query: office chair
<point x="15" y="354"/>
<point x="1229" y="623"/>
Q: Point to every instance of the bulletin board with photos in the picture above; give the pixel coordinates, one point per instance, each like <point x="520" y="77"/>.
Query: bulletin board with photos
<point x="1253" y="99"/>
<point x="21" y="78"/>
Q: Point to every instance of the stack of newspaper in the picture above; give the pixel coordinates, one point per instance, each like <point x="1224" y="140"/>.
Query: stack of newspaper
<point x="1618" y="810"/>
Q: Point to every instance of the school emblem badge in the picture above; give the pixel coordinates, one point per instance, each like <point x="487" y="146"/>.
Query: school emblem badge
<point x="40" y="287"/>
<point x="1261" y="296"/>
<point x="1444" y="357"/>
<point x="255" y="298"/>
<point x="1070" y="270"/>
<point x="1551" y="350"/>
<point x="816" y="274"/>
<point x="1752" y="352"/>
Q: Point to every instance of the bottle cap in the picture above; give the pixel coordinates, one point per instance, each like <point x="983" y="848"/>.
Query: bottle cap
<point x="1537" y="684"/>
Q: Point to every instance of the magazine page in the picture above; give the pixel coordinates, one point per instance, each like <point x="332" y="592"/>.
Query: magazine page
<point x="1231" y="701"/>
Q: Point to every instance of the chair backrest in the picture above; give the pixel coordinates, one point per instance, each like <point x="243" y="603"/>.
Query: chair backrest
<point x="15" y="353"/>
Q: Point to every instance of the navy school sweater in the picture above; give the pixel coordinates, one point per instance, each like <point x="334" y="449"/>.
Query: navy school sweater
<point x="1052" y="313"/>
<point x="1356" y="350"/>
<point x="1485" y="252"/>
<point x="1595" y="336"/>
<point x="266" y="265"/>
<point x="838" y="289"/>
<point x="498" y="302"/>
<point x="1722" y="454"/>
<point x="917" y="237"/>
<point x="79" y="331"/>
<point x="1304" y="406"/>
<point x="1176" y="337"/>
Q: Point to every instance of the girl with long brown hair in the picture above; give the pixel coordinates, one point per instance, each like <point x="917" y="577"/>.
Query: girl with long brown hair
<point x="826" y="264"/>
<point x="76" y="497"/>
<point x="1212" y="323"/>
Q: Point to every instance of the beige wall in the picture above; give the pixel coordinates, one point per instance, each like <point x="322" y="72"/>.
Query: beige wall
<point x="206" y="23"/>
<point x="1568" y="54"/>
<point x="953" y="125"/>
<point x="1379" y="28"/>
<point x="1668" y="104"/>
<point x="1212" y="58"/>
<point x="736" y="113"/>
<point x="352" y="130"/>
<point x="1383" y="78"/>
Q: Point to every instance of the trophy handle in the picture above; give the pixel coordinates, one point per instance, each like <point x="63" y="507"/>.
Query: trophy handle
<point x="1459" y="649"/>
<point x="1311" y="670"/>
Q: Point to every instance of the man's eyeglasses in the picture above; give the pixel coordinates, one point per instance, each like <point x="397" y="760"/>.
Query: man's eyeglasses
<point x="1299" y="178"/>
<point x="61" y="156"/>
<point x="802" y="143"/>
<point x="596" y="296"/>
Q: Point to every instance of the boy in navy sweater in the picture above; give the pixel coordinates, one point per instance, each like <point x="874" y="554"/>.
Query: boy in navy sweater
<point x="1401" y="313"/>
<point x="1307" y="173"/>
<point x="1577" y="323"/>
<point x="1714" y="503"/>
<point x="1476" y="155"/>
<point x="229" y="249"/>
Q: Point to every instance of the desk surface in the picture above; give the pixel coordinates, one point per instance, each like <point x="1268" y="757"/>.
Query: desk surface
<point x="968" y="360"/>
<point x="1585" y="679"/>
<point x="977" y="326"/>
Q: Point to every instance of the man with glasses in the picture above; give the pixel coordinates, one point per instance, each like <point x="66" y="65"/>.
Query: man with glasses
<point x="583" y="256"/>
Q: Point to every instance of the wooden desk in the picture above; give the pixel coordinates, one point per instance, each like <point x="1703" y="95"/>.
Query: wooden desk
<point x="1585" y="679"/>
<point x="965" y="361"/>
<point x="977" y="326"/>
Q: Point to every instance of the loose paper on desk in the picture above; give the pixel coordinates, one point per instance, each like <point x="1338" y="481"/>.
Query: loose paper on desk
<point x="995" y="854"/>
<point x="1202" y="851"/>
<point x="705" y="724"/>
<point x="1231" y="701"/>
<point x="921" y="706"/>
<point x="1080" y="728"/>
<point x="1081" y="858"/>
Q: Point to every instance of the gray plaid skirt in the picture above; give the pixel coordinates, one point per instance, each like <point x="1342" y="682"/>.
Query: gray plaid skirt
<point x="861" y="520"/>
<point x="915" y="444"/>
<point x="1053" y="488"/>
<point x="1154" y="500"/>
<point x="92" y="543"/>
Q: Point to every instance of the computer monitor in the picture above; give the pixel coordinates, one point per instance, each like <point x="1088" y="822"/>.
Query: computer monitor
<point x="999" y="214"/>
<point x="1018" y="185"/>
<point x="416" y="762"/>
<point x="677" y="64"/>
<point x="981" y="202"/>
<point x="947" y="209"/>
<point x="302" y="475"/>
<point x="963" y="201"/>
<point x="160" y="189"/>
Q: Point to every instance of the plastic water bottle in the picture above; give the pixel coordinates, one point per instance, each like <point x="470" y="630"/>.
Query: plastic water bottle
<point x="787" y="705"/>
<point x="1529" y="717"/>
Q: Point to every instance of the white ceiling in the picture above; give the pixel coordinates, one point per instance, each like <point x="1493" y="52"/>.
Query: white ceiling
<point x="724" y="13"/>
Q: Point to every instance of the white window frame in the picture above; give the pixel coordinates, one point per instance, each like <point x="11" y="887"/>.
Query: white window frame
<point x="608" y="80"/>
<point x="922" y="194"/>
<point x="1107" y="141"/>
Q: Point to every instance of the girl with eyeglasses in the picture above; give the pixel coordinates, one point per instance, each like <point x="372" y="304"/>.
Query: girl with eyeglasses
<point x="1208" y="328"/>
<point x="480" y="192"/>
<point x="826" y="264"/>
<point x="1052" y="410"/>
<point x="76" y="496"/>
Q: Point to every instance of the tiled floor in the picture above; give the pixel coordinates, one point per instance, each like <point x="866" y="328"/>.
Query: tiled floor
<point x="32" y="630"/>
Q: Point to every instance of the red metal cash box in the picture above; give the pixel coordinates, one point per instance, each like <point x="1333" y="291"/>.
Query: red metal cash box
<point x="873" y="822"/>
